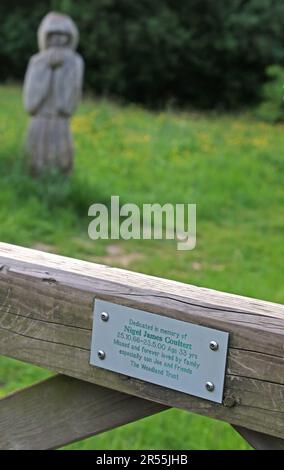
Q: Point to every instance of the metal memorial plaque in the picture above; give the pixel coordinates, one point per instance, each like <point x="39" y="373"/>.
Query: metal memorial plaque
<point x="161" y="350"/>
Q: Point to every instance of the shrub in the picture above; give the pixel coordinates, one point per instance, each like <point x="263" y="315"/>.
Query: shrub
<point x="197" y="52"/>
<point x="272" y="107"/>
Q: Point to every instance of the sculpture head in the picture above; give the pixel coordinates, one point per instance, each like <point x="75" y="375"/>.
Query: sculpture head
<point x="57" y="30"/>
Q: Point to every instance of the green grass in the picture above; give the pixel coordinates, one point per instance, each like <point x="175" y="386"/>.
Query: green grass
<point x="230" y="166"/>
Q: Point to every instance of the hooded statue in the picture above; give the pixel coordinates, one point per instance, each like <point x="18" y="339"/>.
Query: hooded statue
<point x="52" y="89"/>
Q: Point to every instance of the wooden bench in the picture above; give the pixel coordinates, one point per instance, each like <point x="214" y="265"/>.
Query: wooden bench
<point x="46" y="309"/>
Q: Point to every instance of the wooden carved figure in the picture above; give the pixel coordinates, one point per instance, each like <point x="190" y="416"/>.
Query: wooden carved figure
<point x="52" y="89"/>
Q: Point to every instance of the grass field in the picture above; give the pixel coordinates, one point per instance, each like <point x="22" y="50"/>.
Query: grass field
<point x="230" y="166"/>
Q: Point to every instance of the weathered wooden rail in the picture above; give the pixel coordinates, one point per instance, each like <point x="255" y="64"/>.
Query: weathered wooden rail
<point x="46" y="305"/>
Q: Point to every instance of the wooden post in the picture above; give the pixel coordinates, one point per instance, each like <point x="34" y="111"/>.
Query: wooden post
<point x="62" y="410"/>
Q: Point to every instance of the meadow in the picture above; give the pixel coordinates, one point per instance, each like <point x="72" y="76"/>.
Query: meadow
<point x="231" y="166"/>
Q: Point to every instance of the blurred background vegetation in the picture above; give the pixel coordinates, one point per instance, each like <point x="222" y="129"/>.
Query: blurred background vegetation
<point x="200" y="53"/>
<point x="202" y="67"/>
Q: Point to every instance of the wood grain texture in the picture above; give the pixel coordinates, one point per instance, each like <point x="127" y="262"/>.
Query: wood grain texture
<point x="62" y="410"/>
<point x="46" y="306"/>
<point x="260" y="441"/>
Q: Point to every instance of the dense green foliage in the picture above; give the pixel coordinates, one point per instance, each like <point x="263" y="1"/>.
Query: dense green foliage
<point x="272" y="106"/>
<point x="197" y="52"/>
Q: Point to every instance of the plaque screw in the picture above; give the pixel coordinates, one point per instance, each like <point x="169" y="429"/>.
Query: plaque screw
<point x="101" y="354"/>
<point x="214" y="345"/>
<point x="104" y="316"/>
<point x="210" y="386"/>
